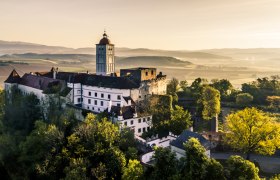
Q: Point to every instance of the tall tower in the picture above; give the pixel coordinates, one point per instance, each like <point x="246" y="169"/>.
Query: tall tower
<point x="105" y="56"/>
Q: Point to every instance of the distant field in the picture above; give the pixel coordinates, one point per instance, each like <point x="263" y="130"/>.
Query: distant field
<point x="214" y="69"/>
<point x="40" y="65"/>
<point x="237" y="65"/>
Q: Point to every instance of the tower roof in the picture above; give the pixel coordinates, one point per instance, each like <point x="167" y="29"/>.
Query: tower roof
<point x="105" y="39"/>
<point x="13" y="77"/>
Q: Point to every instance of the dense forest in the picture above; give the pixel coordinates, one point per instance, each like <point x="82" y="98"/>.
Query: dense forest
<point x="44" y="141"/>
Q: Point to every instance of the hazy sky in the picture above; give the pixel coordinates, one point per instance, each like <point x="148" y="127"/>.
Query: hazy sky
<point x="157" y="24"/>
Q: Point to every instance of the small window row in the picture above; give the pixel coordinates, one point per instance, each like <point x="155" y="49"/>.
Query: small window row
<point x="143" y="129"/>
<point x="102" y="95"/>
<point x="94" y="109"/>
<point x="144" y="119"/>
<point x="95" y="102"/>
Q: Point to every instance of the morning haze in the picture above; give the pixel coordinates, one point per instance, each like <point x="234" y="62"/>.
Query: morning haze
<point x="185" y="39"/>
<point x="158" y="24"/>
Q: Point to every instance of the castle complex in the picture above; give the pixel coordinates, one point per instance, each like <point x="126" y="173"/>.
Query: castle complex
<point x="100" y="91"/>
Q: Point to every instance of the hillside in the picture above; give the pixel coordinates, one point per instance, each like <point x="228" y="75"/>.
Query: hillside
<point x="7" y="47"/>
<point x="11" y="47"/>
<point x="153" y="61"/>
<point x="58" y="57"/>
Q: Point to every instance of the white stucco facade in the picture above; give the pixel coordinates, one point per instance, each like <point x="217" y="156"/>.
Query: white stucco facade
<point x="137" y="124"/>
<point x="98" y="99"/>
<point x="26" y="90"/>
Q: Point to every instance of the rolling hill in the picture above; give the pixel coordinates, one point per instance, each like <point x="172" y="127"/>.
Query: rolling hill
<point x="7" y="47"/>
<point x="152" y="61"/>
<point x="147" y="61"/>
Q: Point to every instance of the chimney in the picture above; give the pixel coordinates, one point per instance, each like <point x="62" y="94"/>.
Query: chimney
<point x="55" y="70"/>
<point x="135" y="112"/>
<point x="110" y="106"/>
<point x="40" y="83"/>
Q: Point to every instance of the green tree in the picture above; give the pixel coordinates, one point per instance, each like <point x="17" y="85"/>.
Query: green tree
<point x="244" y="99"/>
<point x="214" y="170"/>
<point x="223" y="85"/>
<point x="198" y="165"/>
<point x="160" y="106"/>
<point x="210" y="99"/>
<point x="165" y="166"/>
<point x="131" y="153"/>
<point x="97" y="143"/>
<point x="184" y="85"/>
<point x="239" y="168"/>
<point x="251" y="130"/>
<point x="77" y="169"/>
<point x="275" y="177"/>
<point x="127" y="139"/>
<point x="45" y="140"/>
<point x="196" y="159"/>
<point x="2" y="108"/>
<point x="274" y="101"/>
<point x="197" y="86"/>
<point x="261" y="88"/>
<point x="16" y="121"/>
<point x="21" y="111"/>
<point x="133" y="171"/>
<point x="53" y="108"/>
<point x="9" y="153"/>
<point x="180" y="120"/>
<point x="172" y="86"/>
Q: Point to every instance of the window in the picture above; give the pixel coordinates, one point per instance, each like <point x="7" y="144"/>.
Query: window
<point x="95" y="94"/>
<point x="146" y="73"/>
<point x="139" y="120"/>
<point x="148" y="118"/>
<point x="89" y="101"/>
<point x="125" y="123"/>
<point x="82" y="99"/>
<point x="89" y="93"/>
<point x="139" y="97"/>
<point x="109" y="96"/>
<point x="119" y="105"/>
<point x="139" y="130"/>
<point x="95" y="102"/>
<point x="79" y="99"/>
<point x="101" y="103"/>
<point x="92" y="108"/>
<point x="102" y="95"/>
<point x="144" y="129"/>
<point x="119" y="97"/>
<point x="131" y="122"/>
<point x="148" y="128"/>
<point x="152" y="72"/>
<point x="144" y="119"/>
<point x="88" y="107"/>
